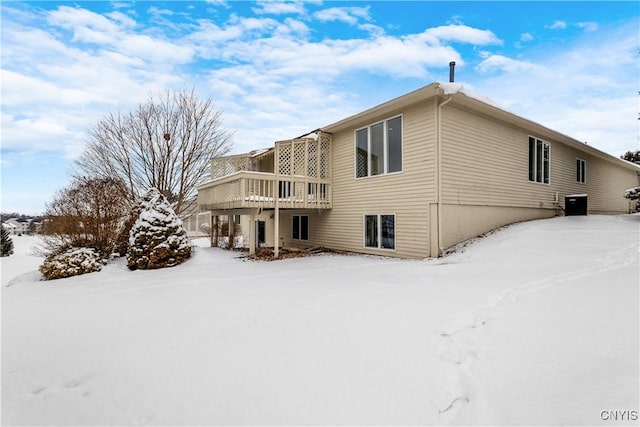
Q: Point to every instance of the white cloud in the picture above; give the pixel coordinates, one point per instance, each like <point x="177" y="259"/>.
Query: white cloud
<point x="121" y="5"/>
<point x="588" y="26"/>
<point x="74" y="17"/>
<point x="563" y="25"/>
<point x="349" y="15"/>
<point x="503" y="63"/>
<point x="116" y="34"/>
<point x="38" y="133"/>
<point x="270" y="70"/>
<point x="126" y="21"/>
<point x="16" y="85"/>
<point x="271" y="7"/>
<point x="558" y="25"/>
<point x="373" y="30"/>
<point x="526" y="37"/>
<point x="222" y="3"/>
<point x="462" y="34"/>
<point x="585" y="90"/>
<point x="292" y="27"/>
<point x="154" y="50"/>
<point x="272" y="78"/>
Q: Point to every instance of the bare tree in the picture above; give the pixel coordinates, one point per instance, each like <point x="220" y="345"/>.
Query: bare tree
<point x="89" y="213"/>
<point x="166" y="143"/>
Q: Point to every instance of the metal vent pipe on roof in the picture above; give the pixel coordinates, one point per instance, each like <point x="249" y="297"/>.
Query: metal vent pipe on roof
<point x="452" y="70"/>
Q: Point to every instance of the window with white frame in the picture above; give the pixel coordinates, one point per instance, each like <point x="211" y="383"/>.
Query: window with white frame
<point x="539" y="162"/>
<point x="380" y="231"/>
<point x="300" y="227"/>
<point x="581" y="171"/>
<point x="379" y="148"/>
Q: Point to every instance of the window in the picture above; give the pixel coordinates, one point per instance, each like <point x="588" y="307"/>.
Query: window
<point x="300" y="227"/>
<point x="581" y="171"/>
<point x="380" y="231"/>
<point x="379" y="148"/>
<point x="538" y="160"/>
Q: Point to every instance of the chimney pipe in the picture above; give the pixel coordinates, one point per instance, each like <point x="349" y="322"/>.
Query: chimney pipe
<point x="452" y="69"/>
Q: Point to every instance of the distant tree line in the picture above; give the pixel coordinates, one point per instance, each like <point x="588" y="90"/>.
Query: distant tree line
<point x="632" y="156"/>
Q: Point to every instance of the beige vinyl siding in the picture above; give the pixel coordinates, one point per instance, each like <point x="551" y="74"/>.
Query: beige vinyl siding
<point x="486" y="163"/>
<point x="605" y="181"/>
<point x="485" y="176"/>
<point x="286" y="227"/>
<point x="406" y="194"/>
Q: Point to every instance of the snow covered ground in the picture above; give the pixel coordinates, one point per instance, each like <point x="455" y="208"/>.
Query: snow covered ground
<point x="536" y="324"/>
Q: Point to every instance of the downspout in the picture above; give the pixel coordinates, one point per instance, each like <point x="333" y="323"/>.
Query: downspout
<point x="439" y="170"/>
<point x="276" y="197"/>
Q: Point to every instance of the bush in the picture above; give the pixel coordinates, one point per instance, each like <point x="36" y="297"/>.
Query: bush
<point x="90" y="213"/>
<point x="632" y="193"/>
<point x="72" y="262"/>
<point x="157" y="239"/>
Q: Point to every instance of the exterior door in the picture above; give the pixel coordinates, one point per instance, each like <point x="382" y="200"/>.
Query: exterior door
<point x="261" y="240"/>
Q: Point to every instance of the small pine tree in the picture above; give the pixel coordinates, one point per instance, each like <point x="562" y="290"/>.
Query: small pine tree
<point x="157" y="238"/>
<point x="6" y="248"/>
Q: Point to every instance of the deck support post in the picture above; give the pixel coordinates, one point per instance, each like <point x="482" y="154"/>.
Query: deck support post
<point x="276" y="231"/>
<point x="214" y="231"/>
<point x="230" y="231"/>
<point x="276" y="198"/>
<point x="252" y="234"/>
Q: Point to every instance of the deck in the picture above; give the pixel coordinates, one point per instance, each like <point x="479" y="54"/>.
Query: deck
<point x="262" y="190"/>
<point x="296" y="174"/>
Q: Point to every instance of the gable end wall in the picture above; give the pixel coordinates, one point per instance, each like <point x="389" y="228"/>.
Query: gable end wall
<point x="408" y="194"/>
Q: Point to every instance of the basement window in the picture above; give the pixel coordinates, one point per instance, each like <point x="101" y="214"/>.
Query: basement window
<point x="300" y="227"/>
<point x="380" y="231"/>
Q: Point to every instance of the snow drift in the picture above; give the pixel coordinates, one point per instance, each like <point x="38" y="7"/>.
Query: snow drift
<point x="536" y="324"/>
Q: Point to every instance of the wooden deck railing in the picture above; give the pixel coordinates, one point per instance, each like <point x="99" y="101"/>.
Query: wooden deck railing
<point x="259" y="190"/>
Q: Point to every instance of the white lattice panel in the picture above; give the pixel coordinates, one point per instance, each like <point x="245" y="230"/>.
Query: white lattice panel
<point x="224" y="166"/>
<point x="313" y="159"/>
<point x="299" y="167"/>
<point x="325" y="159"/>
<point x="284" y="159"/>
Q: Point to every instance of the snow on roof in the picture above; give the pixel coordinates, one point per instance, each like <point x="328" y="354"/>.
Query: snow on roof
<point x="312" y="135"/>
<point x="453" y="88"/>
<point x="256" y="153"/>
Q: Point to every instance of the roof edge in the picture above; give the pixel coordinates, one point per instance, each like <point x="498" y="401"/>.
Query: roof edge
<point x="401" y="101"/>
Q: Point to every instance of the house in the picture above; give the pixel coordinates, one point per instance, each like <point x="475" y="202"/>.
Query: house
<point x="11" y="229"/>
<point x="412" y="177"/>
<point x="20" y="227"/>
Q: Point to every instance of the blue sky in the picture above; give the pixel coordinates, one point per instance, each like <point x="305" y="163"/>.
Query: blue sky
<point x="280" y="69"/>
